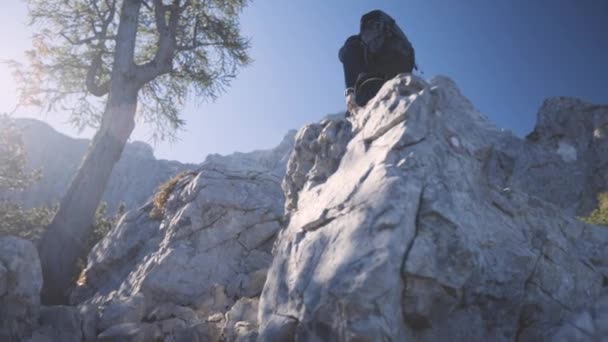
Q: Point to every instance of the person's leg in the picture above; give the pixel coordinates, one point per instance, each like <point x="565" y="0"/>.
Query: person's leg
<point x="352" y="56"/>
<point x="367" y="86"/>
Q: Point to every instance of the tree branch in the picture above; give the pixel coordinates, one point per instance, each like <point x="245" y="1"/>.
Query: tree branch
<point x="92" y="86"/>
<point x="196" y="45"/>
<point x="88" y="40"/>
<point x="162" y="62"/>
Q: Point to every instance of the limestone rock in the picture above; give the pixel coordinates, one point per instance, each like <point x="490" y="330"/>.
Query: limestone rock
<point x="170" y="310"/>
<point x="121" y="310"/>
<point x="420" y="228"/>
<point x="171" y="325"/>
<point x="62" y="323"/>
<point x="272" y="161"/>
<point x="20" y="285"/>
<point x="201" y="332"/>
<point x="241" y="321"/>
<point x="587" y="326"/>
<point x="3" y="280"/>
<point x="245" y="331"/>
<point x="576" y="135"/>
<point x="212" y="244"/>
<point x="130" y="332"/>
<point x="215" y="300"/>
<point x="317" y="153"/>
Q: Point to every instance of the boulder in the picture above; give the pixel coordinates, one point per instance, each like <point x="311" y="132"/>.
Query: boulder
<point x="241" y="321"/>
<point x="411" y="221"/>
<point x="217" y="229"/>
<point x="121" y="310"/>
<point x="20" y="285"/>
<point x="62" y="323"/>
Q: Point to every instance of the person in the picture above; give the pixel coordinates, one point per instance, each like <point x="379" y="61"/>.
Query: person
<point x="378" y="53"/>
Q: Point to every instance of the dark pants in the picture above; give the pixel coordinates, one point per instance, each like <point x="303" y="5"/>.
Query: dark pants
<point x="357" y="73"/>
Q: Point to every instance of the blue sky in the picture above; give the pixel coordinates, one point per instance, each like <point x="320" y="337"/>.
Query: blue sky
<point x="506" y="56"/>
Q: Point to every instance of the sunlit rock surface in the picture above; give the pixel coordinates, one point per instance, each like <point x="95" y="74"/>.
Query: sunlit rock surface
<point x="217" y="229"/>
<point x="415" y="219"/>
<point x="420" y="228"/>
<point x="209" y="247"/>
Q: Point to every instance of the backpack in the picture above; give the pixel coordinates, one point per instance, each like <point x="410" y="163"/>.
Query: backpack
<point x="387" y="49"/>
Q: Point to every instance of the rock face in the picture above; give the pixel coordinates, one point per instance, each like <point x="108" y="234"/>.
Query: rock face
<point x="587" y="326"/>
<point x="578" y="134"/>
<point x="273" y="161"/>
<point x="20" y="285"/>
<point x="210" y="246"/>
<point x="413" y="220"/>
<point x="217" y="230"/>
<point x="174" y="277"/>
<point x="133" y="179"/>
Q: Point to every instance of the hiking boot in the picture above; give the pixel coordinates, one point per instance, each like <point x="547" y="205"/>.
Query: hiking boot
<point x="351" y="104"/>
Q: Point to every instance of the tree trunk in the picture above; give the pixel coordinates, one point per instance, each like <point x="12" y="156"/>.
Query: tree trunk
<point x="65" y="238"/>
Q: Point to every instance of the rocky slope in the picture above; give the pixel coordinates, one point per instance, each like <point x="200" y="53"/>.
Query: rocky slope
<point x="419" y="220"/>
<point x="134" y="177"/>
<point x="415" y="219"/>
<point x="193" y="269"/>
<point x="58" y="156"/>
<point x="571" y="177"/>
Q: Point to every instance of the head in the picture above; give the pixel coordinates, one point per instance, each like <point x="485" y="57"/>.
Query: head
<point x="373" y="27"/>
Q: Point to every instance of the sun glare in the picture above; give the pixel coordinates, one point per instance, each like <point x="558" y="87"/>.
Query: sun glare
<point x="8" y="91"/>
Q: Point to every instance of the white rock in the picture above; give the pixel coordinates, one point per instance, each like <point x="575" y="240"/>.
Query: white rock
<point x="241" y="321"/>
<point x="566" y="151"/>
<point x="410" y="236"/>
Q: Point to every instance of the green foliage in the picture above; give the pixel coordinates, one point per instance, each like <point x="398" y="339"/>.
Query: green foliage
<point x="103" y="223"/>
<point x="25" y="223"/>
<point x="14" y="220"/>
<point x="12" y="157"/>
<point x="599" y="215"/>
<point x="30" y="224"/>
<point x="75" y="44"/>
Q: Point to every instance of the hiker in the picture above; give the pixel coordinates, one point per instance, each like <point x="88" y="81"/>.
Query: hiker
<point x="378" y="53"/>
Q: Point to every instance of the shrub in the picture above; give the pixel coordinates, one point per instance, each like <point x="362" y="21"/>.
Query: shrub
<point x="162" y="195"/>
<point x="30" y="224"/>
<point x="14" y="220"/>
<point x="25" y="223"/>
<point x="599" y="215"/>
<point x="12" y="157"/>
